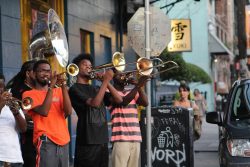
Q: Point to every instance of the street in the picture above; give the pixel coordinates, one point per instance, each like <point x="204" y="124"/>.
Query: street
<point x="205" y="148"/>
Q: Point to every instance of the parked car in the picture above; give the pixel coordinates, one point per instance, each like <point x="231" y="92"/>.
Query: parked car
<point x="234" y="123"/>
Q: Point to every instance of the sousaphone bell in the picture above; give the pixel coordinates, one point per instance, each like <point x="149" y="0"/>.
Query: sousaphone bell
<point x="52" y="41"/>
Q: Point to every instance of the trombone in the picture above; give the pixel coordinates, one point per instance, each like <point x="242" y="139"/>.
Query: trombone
<point x="145" y="67"/>
<point x="118" y="62"/>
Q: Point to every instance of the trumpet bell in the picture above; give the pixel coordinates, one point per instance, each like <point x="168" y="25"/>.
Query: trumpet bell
<point x="118" y="61"/>
<point x="15" y="103"/>
<point x="144" y="66"/>
<point x="27" y="103"/>
<point x="72" y="69"/>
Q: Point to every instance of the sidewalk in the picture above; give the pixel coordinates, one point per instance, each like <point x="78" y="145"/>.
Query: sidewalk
<point x="206" y="148"/>
<point x="209" y="140"/>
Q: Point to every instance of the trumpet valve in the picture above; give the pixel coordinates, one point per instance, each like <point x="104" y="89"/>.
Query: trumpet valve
<point x="92" y="75"/>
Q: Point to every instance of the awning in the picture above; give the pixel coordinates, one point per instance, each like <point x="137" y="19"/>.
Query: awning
<point x="217" y="46"/>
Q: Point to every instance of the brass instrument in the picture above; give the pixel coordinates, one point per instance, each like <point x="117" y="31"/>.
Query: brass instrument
<point x="51" y="41"/>
<point x="15" y="103"/>
<point x="118" y="62"/>
<point x="145" y="67"/>
<point x="72" y="69"/>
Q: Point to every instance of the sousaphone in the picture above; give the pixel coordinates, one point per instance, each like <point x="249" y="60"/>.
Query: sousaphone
<point x="51" y="41"/>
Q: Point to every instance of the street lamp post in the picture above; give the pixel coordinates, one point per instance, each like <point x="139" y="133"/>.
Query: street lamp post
<point x="148" y="86"/>
<point x="139" y="34"/>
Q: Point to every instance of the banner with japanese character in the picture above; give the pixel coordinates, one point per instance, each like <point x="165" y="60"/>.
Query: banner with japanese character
<point x="180" y="36"/>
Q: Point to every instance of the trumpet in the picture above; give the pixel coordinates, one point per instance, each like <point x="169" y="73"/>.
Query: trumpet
<point x="15" y="103"/>
<point x="72" y="69"/>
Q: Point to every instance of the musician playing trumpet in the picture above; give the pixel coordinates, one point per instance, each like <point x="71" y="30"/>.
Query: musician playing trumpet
<point x="51" y="105"/>
<point x="12" y="121"/>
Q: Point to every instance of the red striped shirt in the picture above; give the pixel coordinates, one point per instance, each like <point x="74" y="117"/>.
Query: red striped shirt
<point x="125" y="122"/>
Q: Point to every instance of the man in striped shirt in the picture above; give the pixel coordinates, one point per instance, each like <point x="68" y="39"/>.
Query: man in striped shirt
<point x="126" y="134"/>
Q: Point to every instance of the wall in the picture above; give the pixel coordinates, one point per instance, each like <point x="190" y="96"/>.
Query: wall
<point x="10" y="38"/>
<point x="95" y="16"/>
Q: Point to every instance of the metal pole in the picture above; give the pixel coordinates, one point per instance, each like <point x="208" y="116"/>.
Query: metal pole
<point x="148" y="86"/>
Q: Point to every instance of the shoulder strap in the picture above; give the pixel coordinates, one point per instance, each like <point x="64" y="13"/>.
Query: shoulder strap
<point x="191" y="103"/>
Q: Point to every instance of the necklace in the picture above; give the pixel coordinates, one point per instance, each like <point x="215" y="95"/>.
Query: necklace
<point x="27" y="84"/>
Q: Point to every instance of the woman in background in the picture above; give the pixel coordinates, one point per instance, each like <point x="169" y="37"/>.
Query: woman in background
<point x="200" y="101"/>
<point x="184" y="101"/>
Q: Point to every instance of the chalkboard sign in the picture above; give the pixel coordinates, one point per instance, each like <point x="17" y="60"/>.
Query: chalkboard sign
<point x="172" y="137"/>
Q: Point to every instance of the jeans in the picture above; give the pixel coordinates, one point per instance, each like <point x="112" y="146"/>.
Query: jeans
<point x="6" y="164"/>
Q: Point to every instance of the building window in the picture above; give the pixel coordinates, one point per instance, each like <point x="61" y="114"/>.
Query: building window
<point x="105" y="51"/>
<point x="218" y="31"/>
<point x="87" y="42"/>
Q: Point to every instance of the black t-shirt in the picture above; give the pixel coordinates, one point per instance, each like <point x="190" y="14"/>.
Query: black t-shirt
<point x="92" y="126"/>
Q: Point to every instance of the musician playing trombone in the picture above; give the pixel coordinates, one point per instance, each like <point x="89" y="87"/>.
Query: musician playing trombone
<point x="89" y="102"/>
<point x="126" y="134"/>
<point x="12" y="121"/>
<point x="51" y="105"/>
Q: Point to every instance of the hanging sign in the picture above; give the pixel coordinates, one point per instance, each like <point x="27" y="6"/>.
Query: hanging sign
<point x="180" y="36"/>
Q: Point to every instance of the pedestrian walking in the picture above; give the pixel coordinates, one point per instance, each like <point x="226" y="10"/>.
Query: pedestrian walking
<point x="49" y="109"/>
<point x="200" y="102"/>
